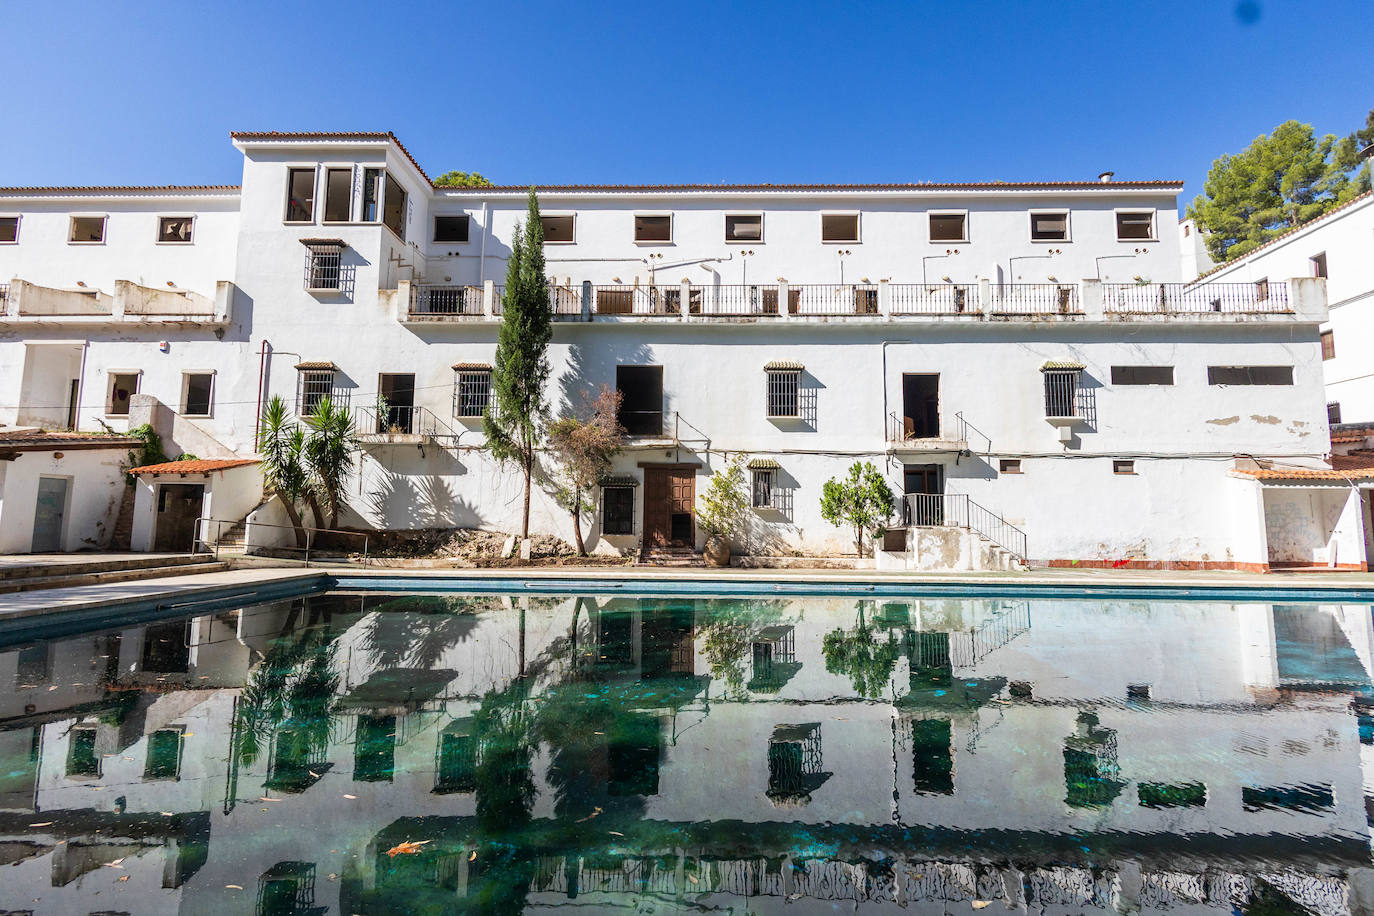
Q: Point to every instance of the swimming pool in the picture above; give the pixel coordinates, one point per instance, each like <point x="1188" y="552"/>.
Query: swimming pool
<point x="372" y="750"/>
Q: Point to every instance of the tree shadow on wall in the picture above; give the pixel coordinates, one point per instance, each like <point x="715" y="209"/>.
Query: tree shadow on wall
<point x="398" y="501"/>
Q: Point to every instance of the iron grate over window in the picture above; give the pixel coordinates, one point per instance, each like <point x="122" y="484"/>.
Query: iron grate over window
<point x="323" y="266"/>
<point x="784" y="387"/>
<point x="1061" y="392"/>
<point x="313" y="386"/>
<point x="762" y="488"/>
<point x="617" y="510"/>
<point x="471" y="392"/>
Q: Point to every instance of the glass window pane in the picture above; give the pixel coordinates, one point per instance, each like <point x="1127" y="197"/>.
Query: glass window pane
<point x="338" y="195"/>
<point x="300" y="195"/>
<point x="394" y="207"/>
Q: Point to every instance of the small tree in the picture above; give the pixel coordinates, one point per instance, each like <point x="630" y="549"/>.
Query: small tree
<point x="585" y="449"/>
<point x="514" y="428"/>
<point x="283" y="465"/>
<point x="724" y="502"/>
<point x="456" y="179"/>
<point x="329" y="449"/>
<point x="862" y="500"/>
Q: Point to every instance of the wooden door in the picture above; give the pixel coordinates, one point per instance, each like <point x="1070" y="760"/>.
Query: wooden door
<point x="655" y="507"/>
<point x="669" y="507"/>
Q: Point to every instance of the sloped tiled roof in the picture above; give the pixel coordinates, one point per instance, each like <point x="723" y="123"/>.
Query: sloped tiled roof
<point x="119" y="189"/>
<point x="1278" y="238"/>
<point x="37" y="439"/>
<point x="1161" y="184"/>
<point x="270" y="135"/>
<point x="1343" y="467"/>
<point x="193" y="466"/>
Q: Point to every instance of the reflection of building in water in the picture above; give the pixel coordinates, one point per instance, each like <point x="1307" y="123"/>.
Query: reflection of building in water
<point x="679" y="748"/>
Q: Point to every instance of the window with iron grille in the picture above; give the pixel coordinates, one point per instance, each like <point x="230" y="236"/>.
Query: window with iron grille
<point x="312" y="385"/>
<point x="617" y="510"/>
<point x="471" y="392"/>
<point x="763" y="488"/>
<point x="784" y="387"/>
<point x="1061" y="392"/>
<point x="1333" y="412"/>
<point x="322" y="266"/>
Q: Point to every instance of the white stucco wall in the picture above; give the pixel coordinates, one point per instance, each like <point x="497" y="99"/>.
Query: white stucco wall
<point x="95" y="486"/>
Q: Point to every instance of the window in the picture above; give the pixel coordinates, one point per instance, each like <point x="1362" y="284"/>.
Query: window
<point x="451" y="228"/>
<point x="1050" y="227"/>
<point x="9" y="229"/>
<point x="949" y="227"/>
<point x="174" y="230"/>
<point x="164" y="754"/>
<point x="195" y="400"/>
<point x="300" y="195"/>
<point x="1009" y="466"/>
<point x="323" y="264"/>
<point x="1120" y="466"/>
<point x="1061" y="392"/>
<point x="1262" y="289"/>
<point x="784" y="388"/>
<point x="372" y="194"/>
<point x="557" y="229"/>
<point x="1142" y="375"/>
<point x="311" y="385"/>
<point x="471" y="390"/>
<point x="1318" y="262"/>
<point x="1249" y="375"/>
<point x="653" y="229"/>
<point x="87" y="229"/>
<point x="641" y="399"/>
<point x="1138" y="692"/>
<point x="338" y="195"/>
<point x="82" y="759"/>
<point x="744" y="227"/>
<point x="762" y="487"/>
<point x="394" y="207"/>
<point x="1135" y="227"/>
<point x="617" y="510"/>
<point x="1328" y="345"/>
<point x="1333" y="412"/>
<point x="123" y="386"/>
<point x="839" y="227"/>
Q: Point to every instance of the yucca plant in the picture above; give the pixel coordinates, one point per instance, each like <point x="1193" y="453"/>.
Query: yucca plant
<point x="329" y="448"/>
<point x="282" y="447"/>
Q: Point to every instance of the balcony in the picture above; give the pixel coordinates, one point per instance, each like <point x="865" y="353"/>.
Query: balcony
<point x="954" y="435"/>
<point x="401" y="425"/>
<point x="22" y="302"/>
<point x="1262" y="298"/>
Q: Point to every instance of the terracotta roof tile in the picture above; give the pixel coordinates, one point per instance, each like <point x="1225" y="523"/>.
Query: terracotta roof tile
<point x="118" y="188"/>
<point x="1162" y="184"/>
<point x="1278" y="238"/>
<point x="35" y="439"/>
<point x="193" y="466"/>
<point x="1343" y="467"/>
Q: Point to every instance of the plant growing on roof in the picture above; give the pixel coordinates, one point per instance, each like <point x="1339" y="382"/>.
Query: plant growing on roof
<point x="457" y="179"/>
<point x="148" y="451"/>
<point x="283" y="465"/>
<point x="329" y="448"/>
<point x="720" y="509"/>
<point x="861" y="500"/>
<point x="585" y="449"/>
<point x="514" y="429"/>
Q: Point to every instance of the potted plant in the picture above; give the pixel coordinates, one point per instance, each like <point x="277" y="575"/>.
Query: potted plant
<point x="720" y="509"/>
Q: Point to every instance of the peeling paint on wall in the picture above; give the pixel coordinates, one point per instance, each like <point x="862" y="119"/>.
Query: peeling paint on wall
<point x="1265" y="418"/>
<point x="1224" y="421"/>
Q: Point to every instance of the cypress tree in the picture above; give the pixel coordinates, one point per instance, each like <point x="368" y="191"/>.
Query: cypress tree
<point x="515" y="427"/>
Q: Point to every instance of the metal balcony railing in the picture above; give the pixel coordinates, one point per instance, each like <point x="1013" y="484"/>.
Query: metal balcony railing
<point x="1195" y="298"/>
<point x="1035" y="299"/>
<point x="446" y="300"/>
<point x="397" y="420"/>
<point x="956" y="510"/>
<point x="934" y="299"/>
<point x="839" y="300"/>
<point x="954" y="429"/>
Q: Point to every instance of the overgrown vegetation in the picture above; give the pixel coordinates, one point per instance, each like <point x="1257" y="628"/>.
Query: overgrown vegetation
<point x="457" y="179"/>
<point x="148" y="451"/>
<point x="585" y="448"/>
<point x="862" y="500"/>
<point x="723" y="503"/>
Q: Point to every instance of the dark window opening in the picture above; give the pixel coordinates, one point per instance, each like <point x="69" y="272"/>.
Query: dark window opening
<point x="174" y="229"/>
<point x="1142" y="375"/>
<point x="763" y="488"/>
<point x="451" y="228"/>
<point x="1009" y="466"/>
<point x="164" y="754"/>
<point x="1333" y="412"/>
<point x="641" y="399"/>
<point x="1124" y="467"/>
<point x="198" y="386"/>
<point x="1061" y="392"/>
<point x="784" y="393"/>
<point x="88" y="229"/>
<point x="617" y="510"/>
<point x="300" y="195"/>
<point x="314" y="384"/>
<point x="338" y="195"/>
<point x="744" y="227"/>
<point x="82" y="759"/>
<point x="557" y="228"/>
<point x="9" y="229"/>
<point x="123" y="386"/>
<point x="923" y="487"/>
<point x="1328" y="345"/>
<point x="653" y="228"/>
<point x="948" y="227"/>
<point x="472" y="392"/>
<point x="394" y="207"/>
<point x="1049" y="227"/>
<point x="920" y="406"/>
<point x="839" y="227"/>
<point x="396" y="403"/>
<point x="323" y="266"/>
<point x="372" y="193"/>
<point x="932" y="756"/>
<point x="1249" y="375"/>
<point x="1172" y="795"/>
<point x="374" y="749"/>
<point x="1318" y="265"/>
<point x="1133" y="227"/>
<point x="1138" y="692"/>
<point x="1262" y="289"/>
<point x="167" y="647"/>
<point x="458" y="757"/>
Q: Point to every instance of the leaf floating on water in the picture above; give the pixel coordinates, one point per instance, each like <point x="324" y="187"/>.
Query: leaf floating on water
<point x="615" y="833"/>
<point x="407" y="848"/>
<point x="595" y="812"/>
<point x="166" y="814"/>
<point x="265" y="798"/>
<point x="44" y="824"/>
<point x="188" y="734"/>
<point x="979" y="904"/>
<point x="350" y="796"/>
<point x="693" y="879"/>
<point x="123" y="877"/>
<point x="473" y="856"/>
<point x="114" y="864"/>
<point x="313" y="773"/>
<point x="234" y="887"/>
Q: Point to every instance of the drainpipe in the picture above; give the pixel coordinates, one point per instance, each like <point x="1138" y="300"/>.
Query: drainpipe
<point x="262" y="369"/>
<point x="884" y="381"/>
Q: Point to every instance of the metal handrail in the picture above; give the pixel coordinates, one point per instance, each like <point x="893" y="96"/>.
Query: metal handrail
<point x="1194" y="297"/>
<point x="963" y="431"/>
<point x="213" y="548"/>
<point x="956" y="510"/>
<point x="413" y="420"/>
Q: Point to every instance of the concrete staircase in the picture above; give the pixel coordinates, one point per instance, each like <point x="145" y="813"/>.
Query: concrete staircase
<point x="680" y="557"/>
<point x="70" y="570"/>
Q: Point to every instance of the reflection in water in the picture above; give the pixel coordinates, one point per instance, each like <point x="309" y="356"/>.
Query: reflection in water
<point x="502" y="754"/>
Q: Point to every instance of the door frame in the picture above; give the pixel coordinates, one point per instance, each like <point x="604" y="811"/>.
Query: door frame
<point x="157" y="514"/>
<point x="65" y="521"/>
<point x="690" y="469"/>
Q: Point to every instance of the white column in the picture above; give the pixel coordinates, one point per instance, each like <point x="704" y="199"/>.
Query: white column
<point x="489" y="298"/>
<point x="784" y="297"/>
<point x="884" y="299"/>
<point x="684" y="299"/>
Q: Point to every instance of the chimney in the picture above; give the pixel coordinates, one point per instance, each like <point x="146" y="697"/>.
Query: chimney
<point x="1105" y="176"/>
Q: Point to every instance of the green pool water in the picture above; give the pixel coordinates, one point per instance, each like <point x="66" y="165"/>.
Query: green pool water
<point x="375" y="753"/>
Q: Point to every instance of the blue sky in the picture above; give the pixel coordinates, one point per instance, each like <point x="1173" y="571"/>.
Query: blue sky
<point x="98" y="92"/>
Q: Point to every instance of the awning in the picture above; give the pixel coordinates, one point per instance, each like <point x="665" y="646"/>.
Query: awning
<point x="324" y="243"/>
<point x="1062" y="366"/>
<point x="763" y="464"/>
<point x="783" y="365"/>
<point x="318" y="364"/>
<point x="472" y="367"/>
<point x="621" y="481"/>
<point x="193" y="466"/>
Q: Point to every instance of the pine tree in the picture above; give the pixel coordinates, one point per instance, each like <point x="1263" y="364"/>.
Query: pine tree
<point x="514" y="425"/>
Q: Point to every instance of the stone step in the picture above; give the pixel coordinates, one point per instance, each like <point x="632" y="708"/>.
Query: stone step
<point x="65" y="579"/>
<point x="67" y="566"/>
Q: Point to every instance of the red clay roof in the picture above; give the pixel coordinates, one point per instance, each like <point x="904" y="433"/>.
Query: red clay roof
<point x="1343" y="467"/>
<point x="1278" y="238"/>
<point x="40" y="439"/>
<point x="118" y="188"/>
<point x="1164" y="184"/>
<point x="329" y="135"/>
<point x="193" y="466"/>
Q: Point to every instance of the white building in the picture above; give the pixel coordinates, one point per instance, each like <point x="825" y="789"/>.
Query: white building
<point x="992" y="347"/>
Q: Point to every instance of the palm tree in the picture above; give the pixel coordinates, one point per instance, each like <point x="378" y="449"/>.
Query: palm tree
<point x="284" y="472"/>
<point x="329" y="449"/>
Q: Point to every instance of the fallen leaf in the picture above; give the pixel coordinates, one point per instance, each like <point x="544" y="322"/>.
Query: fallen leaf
<point x="615" y="833"/>
<point x="313" y="773"/>
<point x="123" y="877"/>
<point x="188" y="734"/>
<point x="114" y="864"/>
<point x="407" y="848"/>
<point x="693" y="879"/>
<point x="350" y="796"/>
<point x="979" y="904"/>
<point x="473" y="856"/>
<point x="166" y="814"/>
<point x="52" y="688"/>
<point x="595" y="812"/>
<point x="44" y="824"/>
<point x="265" y="798"/>
<point x="234" y="887"/>
<point x="333" y="876"/>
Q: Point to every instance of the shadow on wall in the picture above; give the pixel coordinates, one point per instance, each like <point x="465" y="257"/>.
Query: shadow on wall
<point x="399" y="501"/>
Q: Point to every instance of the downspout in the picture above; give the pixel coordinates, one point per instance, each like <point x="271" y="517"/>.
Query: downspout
<point x="884" y="383"/>
<point x="257" y="414"/>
